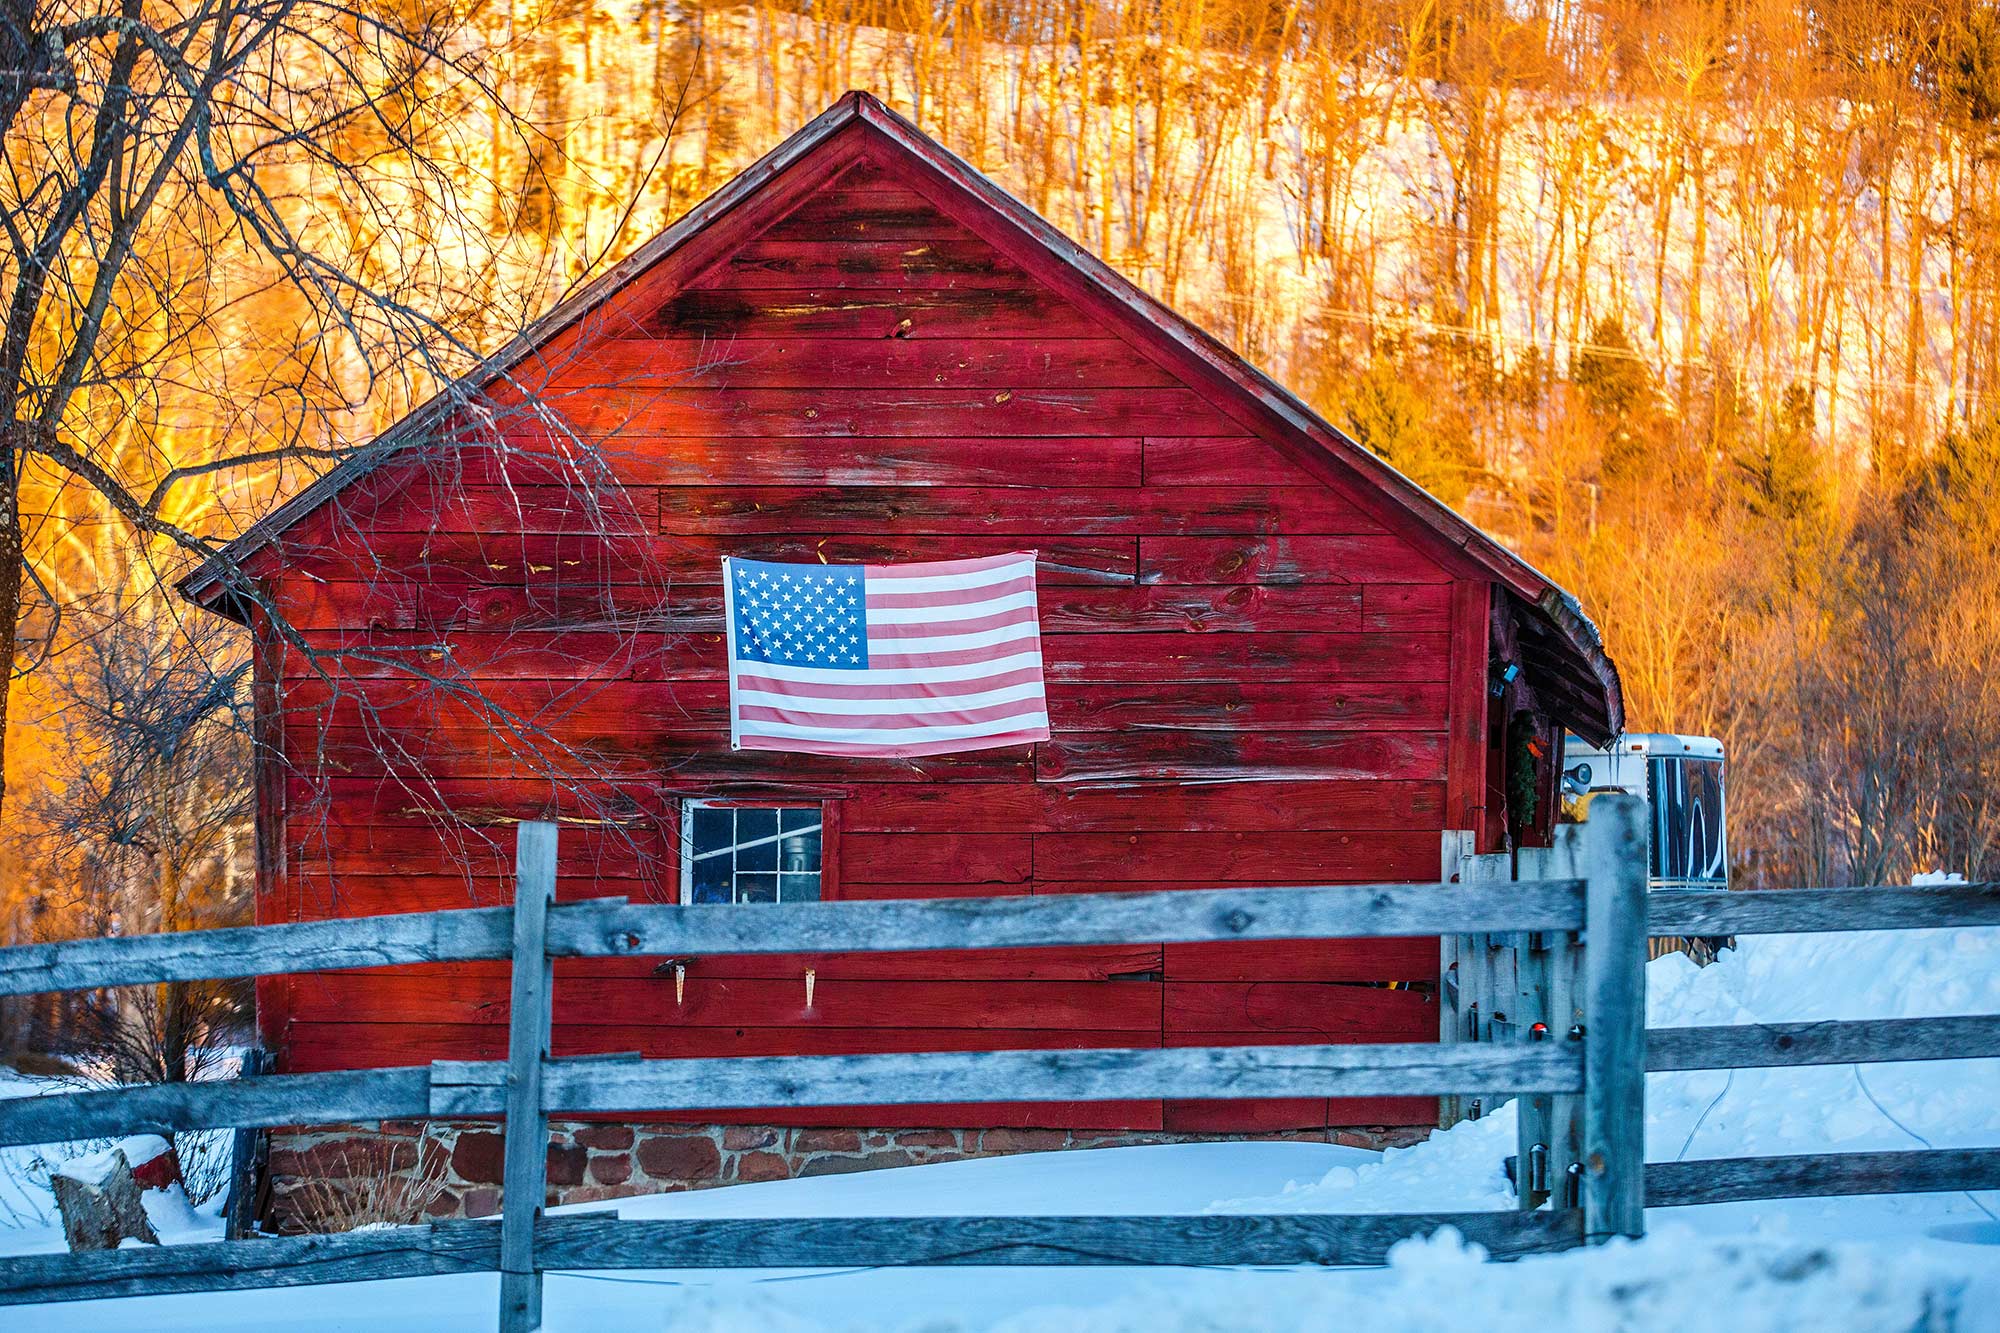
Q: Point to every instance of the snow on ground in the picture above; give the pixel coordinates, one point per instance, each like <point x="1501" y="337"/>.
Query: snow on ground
<point x="1916" y="1262"/>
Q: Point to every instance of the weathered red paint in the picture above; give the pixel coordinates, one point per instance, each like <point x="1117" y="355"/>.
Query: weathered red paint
<point x="1265" y="666"/>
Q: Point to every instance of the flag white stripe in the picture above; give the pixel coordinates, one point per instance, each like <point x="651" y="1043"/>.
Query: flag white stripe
<point x="889" y="582"/>
<point x="893" y="735"/>
<point x="954" y="703"/>
<point x="890" y="675"/>
<point x="928" y="615"/>
<point x="944" y="643"/>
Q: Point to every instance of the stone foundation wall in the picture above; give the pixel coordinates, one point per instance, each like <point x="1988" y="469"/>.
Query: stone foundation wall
<point x="338" y="1176"/>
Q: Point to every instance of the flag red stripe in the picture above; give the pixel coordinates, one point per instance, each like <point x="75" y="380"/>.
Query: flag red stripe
<point x="889" y="721"/>
<point x="903" y="750"/>
<point x="893" y="601"/>
<point x="934" y="689"/>
<point x="947" y="657"/>
<point x="1020" y="615"/>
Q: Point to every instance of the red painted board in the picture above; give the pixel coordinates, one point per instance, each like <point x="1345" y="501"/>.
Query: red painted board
<point x="681" y="561"/>
<point x="1297" y="1012"/>
<point x="709" y="1001"/>
<point x="1205" y="755"/>
<point x="1065" y="511"/>
<point x="917" y="858"/>
<point x="971" y="315"/>
<point x="354" y="1045"/>
<point x="876" y="363"/>
<point x="1177" y="458"/>
<point x="1309" y="805"/>
<point x="864" y="891"/>
<point x="1414" y="959"/>
<point x="692" y="757"/>
<point x="1286" y="559"/>
<point x="1406" y="606"/>
<point x="1244" y="657"/>
<point x="1242" y="857"/>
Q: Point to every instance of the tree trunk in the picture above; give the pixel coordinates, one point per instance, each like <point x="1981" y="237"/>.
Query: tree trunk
<point x="12" y="566"/>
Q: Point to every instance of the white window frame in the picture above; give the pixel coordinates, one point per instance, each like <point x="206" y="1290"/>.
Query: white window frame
<point x="692" y="803"/>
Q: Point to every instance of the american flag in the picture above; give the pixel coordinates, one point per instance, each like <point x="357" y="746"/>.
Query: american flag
<point x="884" y="660"/>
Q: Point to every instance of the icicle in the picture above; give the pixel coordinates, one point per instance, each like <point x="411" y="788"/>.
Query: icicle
<point x="680" y="982"/>
<point x="811" y="977"/>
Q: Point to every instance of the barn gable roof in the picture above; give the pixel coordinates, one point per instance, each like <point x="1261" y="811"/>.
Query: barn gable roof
<point x="1561" y="648"/>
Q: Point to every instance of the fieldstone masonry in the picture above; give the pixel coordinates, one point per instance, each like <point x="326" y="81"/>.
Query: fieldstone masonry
<point x="448" y="1169"/>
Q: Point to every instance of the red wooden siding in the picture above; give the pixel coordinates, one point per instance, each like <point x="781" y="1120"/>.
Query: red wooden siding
<point x="1254" y="678"/>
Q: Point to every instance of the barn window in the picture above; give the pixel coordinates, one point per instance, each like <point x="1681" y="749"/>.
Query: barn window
<point x="737" y="853"/>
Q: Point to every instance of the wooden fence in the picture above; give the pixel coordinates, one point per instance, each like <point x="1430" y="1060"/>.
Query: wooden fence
<point x="1592" y="891"/>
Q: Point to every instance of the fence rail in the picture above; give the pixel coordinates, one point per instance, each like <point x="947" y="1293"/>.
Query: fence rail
<point x="1585" y="905"/>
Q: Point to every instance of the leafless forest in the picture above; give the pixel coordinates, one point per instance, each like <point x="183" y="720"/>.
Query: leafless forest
<point x="1695" y="303"/>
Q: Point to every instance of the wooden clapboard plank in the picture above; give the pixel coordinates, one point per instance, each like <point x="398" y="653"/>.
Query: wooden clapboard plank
<point x="1100" y="756"/>
<point x="1406" y="606"/>
<point x="1057" y="511"/>
<point x="556" y="604"/>
<point x="1369" y="557"/>
<point x="696" y="755"/>
<point x="1413" y="959"/>
<point x="365" y="653"/>
<point x="1180" y="458"/>
<point x="1241" y="657"/>
<point x="1310" y="805"/>
<point x="678" y="562"/>
<point x="876" y="363"/>
<point x="1225" y="857"/>
<point x="973" y="315"/>
<point x="870" y="205"/>
<point x="971" y="858"/>
<point x="1298" y="1011"/>
<point x="1253" y="706"/>
<point x="938" y="262"/>
<point x="733" y="1002"/>
<point x="624" y="416"/>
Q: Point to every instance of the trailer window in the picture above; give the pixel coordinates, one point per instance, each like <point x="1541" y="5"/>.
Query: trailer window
<point x="1688" y="849"/>
<point x="735" y="853"/>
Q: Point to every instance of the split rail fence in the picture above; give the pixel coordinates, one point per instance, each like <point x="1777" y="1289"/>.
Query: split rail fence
<point x="1588" y="893"/>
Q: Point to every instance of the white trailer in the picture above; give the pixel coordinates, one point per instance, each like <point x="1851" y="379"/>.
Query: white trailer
<point x="1680" y="778"/>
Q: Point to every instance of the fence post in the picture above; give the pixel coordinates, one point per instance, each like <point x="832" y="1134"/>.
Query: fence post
<point x="248" y="1151"/>
<point x="525" y="1169"/>
<point x="1613" y="862"/>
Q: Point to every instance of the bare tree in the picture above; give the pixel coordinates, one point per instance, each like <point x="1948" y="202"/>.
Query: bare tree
<point x="142" y="822"/>
<point x="174" y="164"/>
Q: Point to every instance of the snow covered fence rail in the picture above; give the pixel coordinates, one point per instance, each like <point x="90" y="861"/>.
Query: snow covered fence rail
<point x="1606" y="894"/>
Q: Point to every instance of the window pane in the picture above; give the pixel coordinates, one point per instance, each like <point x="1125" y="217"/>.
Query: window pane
<point x="713" y="829"/>
<point x="757" y="856"/>
<point x="711" y="879"/>
<point x="791" y="820"/>
<point x="756" y="888"/>
<point x="801" y="851"/>
<point x="799" y="888"/>
<point x="755" y="824"/>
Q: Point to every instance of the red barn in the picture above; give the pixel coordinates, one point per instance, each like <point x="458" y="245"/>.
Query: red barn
<point x="1271" y="659"/>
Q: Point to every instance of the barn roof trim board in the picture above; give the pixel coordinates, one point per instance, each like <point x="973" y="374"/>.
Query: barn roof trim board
<point x="1003" y="221"/>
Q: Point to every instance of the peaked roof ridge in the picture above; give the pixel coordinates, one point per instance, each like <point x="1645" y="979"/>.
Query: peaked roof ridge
<point x="1154" y="330"/>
